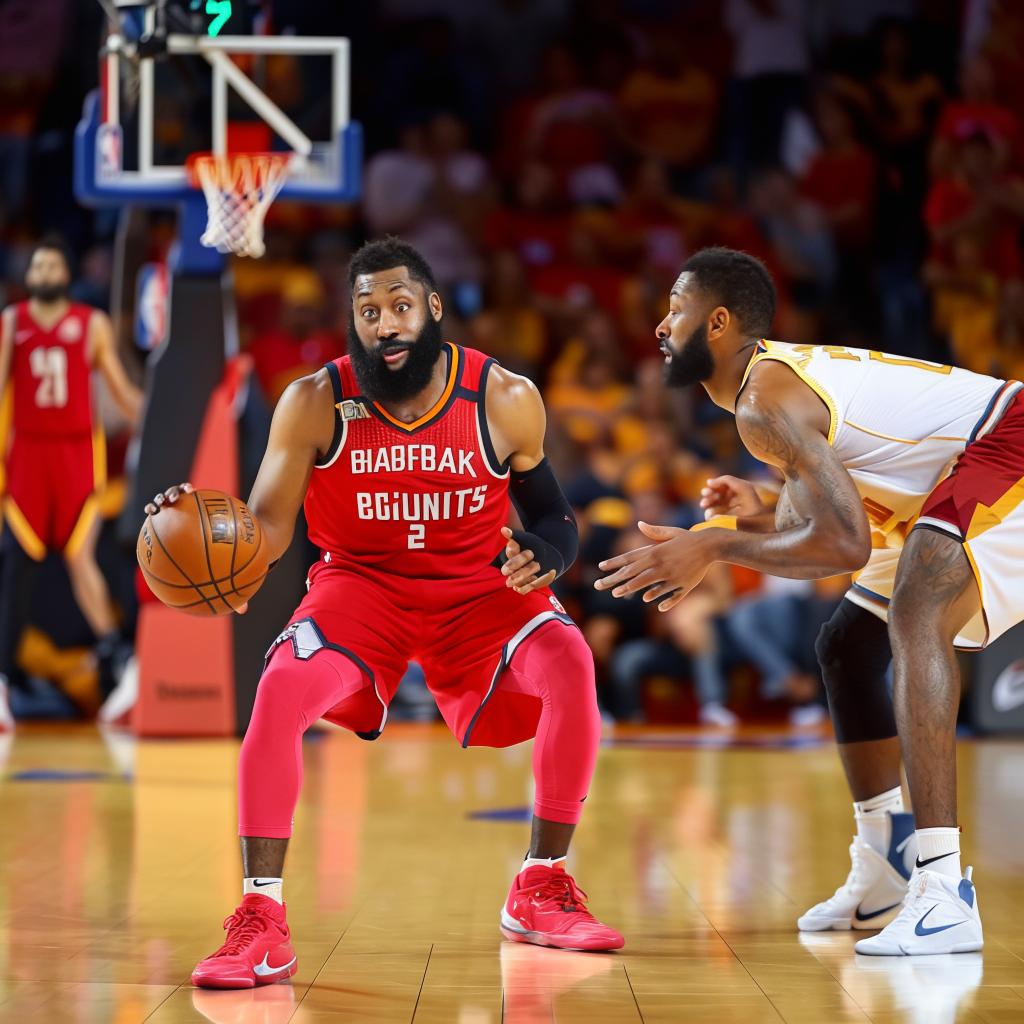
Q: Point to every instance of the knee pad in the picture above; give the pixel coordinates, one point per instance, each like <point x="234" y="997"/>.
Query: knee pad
<point x="854" y="654"/>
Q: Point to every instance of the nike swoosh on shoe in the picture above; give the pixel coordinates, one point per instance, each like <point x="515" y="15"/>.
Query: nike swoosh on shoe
<point x="264" y="968"/>
<point x="874" y="913"/>
<point x="919" y="928"/>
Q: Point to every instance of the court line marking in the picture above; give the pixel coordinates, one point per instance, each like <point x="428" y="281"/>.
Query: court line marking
<point x="423" y="981"/>
<point x="700" y="910"/>
<point x="639" y="1012"/>
<point x="327" y="960"/>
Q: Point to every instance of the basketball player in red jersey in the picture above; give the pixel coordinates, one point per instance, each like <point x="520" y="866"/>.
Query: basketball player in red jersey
<point x="405" y="453"/>
<point x="56" y="461"/>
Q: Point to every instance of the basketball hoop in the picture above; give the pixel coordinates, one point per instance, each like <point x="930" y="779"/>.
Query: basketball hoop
<point x="239" y="189"/>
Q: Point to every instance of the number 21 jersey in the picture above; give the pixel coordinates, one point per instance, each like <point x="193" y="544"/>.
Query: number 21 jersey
<point x="51" y="374"/>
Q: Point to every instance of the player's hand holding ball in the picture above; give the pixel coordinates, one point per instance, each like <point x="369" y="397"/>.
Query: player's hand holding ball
<point x="521" y="569"/>
<point x="202" y="552"/>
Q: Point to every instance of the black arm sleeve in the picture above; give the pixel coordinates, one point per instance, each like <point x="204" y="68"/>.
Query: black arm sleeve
<point x="550" y="530"/>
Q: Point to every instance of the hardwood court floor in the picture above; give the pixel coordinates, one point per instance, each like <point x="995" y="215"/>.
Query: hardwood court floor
<point x="118" y="863"/>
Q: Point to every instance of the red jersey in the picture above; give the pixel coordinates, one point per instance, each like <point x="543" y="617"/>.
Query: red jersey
<point x="420" y="501"/>
<point x="51" y="374"/>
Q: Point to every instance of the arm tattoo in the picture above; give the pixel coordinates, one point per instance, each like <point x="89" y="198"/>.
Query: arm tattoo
<point x="772" y="432"/>
<point x="821" y="527"/>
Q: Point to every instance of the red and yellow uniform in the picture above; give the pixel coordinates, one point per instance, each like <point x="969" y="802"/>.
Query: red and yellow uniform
<point x="56" y="460"/>
<point x="928" y="446"/>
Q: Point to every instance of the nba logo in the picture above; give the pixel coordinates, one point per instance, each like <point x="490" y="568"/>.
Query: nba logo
<point x="108" y="151"/>
<point x="557" y="605"/>
<point x="151" y="306"/>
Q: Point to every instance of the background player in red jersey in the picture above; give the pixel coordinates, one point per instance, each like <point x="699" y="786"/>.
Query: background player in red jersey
<point x="56" y="461"/>
<point x="404" y="454"/>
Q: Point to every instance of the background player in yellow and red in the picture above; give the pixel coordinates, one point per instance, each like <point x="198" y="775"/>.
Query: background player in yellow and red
<point x="405" y="454"/>
<point x="56" y="459"/>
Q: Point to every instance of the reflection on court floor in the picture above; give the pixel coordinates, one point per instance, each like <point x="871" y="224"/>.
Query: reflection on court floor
<point x="118" y="861"/>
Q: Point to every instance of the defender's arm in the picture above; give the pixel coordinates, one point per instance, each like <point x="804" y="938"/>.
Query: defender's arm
<point x="103" y="356"/>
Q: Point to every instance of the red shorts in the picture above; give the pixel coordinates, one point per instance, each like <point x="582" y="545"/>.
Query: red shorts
<point x="50" y="502"/>
<point x="981" y="504"/>
<point x="463" y="633"/>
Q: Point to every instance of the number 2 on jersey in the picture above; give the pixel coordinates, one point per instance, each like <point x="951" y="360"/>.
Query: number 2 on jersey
<point x="417" y="533"/>
<point x="50" y="367"/>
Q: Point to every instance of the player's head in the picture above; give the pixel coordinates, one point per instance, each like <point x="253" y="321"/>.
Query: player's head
<point x="48" y="277"/>
<point x="395" y="326"/>
<point x="721" y="300"/>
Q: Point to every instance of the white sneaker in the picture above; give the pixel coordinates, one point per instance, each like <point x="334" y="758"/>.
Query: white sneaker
<point x="807" y="715"/>
<point x="717" y="714"/>
<point x="6" y="718"/>
<point x="117" y="708"/>
<point x="940" y="915"/>
<point x="874" y="889"/>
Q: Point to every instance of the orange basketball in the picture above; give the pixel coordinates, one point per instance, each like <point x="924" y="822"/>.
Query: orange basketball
<point x="204" y="554"/>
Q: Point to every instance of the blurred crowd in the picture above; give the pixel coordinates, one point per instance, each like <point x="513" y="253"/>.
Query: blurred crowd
<point x="557" y="161"/>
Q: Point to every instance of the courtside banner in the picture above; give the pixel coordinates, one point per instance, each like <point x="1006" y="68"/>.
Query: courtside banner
<point x="996" y="677"/>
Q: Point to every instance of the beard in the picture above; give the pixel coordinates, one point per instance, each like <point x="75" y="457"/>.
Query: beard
<point x="694" y="364"/>
<point x="378" y="381"/>
<point x="49" y="293"/>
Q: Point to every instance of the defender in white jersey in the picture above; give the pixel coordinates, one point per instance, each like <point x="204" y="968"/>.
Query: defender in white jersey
<point x="910" y="471"/>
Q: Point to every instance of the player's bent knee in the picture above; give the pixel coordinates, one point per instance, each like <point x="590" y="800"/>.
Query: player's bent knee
<point x="854" y="654"/>
<point x="360" y="713"/>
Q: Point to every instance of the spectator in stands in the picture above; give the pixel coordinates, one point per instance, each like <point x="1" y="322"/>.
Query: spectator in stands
<point x="802" y="249"/>
<point x="668" y="108"/>
<point x="510" y="327"/>
<point x="569" y="124"/>
<point x="978" y="111"/>
<point x="301" y="344"/>
<point x="536" y="224"/>
<point x="774" y="629"/>
<point x="432" y="191"/>
<point x="771" y="60"/>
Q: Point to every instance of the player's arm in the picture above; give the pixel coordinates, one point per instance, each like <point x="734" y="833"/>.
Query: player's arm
<point x="821" y="526"/>
<point x="301" y="430"/>
<point x="546" y="546"/>
<point x="127" y="397"/>
<point x="6" y="347"/>
<point x="782" y="422"/>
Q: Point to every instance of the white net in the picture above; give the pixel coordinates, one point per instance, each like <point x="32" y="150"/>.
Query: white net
<point x="239" y="190"/>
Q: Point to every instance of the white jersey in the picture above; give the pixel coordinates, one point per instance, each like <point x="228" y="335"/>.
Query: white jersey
<point x="897" y="424"/>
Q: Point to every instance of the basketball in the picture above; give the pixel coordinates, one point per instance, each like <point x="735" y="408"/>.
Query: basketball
<point x="204" y="554"/>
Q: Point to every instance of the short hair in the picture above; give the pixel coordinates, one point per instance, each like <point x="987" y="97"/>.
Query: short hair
<point x="53" y="243"/>
<point x="387" y="253"/>
<point x="738" y="281"/>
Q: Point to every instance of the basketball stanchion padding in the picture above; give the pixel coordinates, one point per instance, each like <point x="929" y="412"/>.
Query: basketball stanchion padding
<point x="186" y="663"/>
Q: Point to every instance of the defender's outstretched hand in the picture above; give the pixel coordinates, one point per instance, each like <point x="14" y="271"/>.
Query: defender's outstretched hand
<point x="668" y="569"/>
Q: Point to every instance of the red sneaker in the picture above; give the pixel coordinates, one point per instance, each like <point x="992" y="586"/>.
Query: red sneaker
<point x="547" y="908"/>
<point x="257" y="951"/>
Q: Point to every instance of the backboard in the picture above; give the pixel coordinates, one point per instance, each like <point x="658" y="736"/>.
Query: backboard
<point x="158" y="105"/>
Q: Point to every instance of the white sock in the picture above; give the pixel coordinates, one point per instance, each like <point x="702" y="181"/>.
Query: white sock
<point x="262" y="886"/>
<point x="872" y="817"/>
<point x="938" y="849"/>
<point x="547" y="862"/>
